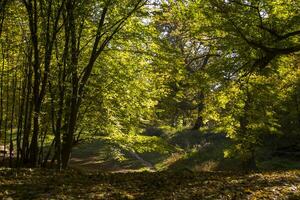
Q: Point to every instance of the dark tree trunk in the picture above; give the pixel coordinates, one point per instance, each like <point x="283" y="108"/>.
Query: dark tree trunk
<point x="7" y="114"/>
<point x="32" y="11"/>
<point x="250" y="163"/>
<point x="3" y="5"/>
<point x="199" y="121"/>
<point x="11" y="146"/>
<point x="69" y="134"/>
<point x="1" y="93"/>
<point x="27" y="112"/>
<point x="20" y="119"/>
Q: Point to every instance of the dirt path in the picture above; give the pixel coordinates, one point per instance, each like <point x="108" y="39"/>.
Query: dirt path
<point x="144" y="162"/>
<point x="92" y="164"/>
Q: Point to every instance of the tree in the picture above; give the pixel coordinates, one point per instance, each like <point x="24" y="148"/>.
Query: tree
<point x="268" y="28"/>
<point x="61" y="38"/>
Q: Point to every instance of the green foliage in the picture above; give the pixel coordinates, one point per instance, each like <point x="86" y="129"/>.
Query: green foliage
<point x="229" y="67"/>
<point x="139" y="143"/>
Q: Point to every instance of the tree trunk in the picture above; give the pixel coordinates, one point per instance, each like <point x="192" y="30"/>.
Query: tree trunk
<point x="11" y="146"/>
<point x="199" y="121"/>
<point x="250" y="163"/>
<point x="27" y="114"/>
<point x="69" y="134"/>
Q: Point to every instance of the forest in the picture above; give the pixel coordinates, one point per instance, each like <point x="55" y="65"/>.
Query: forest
<point x="149" y="99"/>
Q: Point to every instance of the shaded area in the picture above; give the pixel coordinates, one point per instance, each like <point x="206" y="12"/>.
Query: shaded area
<point x="38" y="184"/>
<point x="203" y="152"/>
<point x="186" y="150"/>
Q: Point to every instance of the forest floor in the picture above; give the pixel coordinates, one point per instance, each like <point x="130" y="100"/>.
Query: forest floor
<point x="74" y="184"/>
<point x="100" y="170"/>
